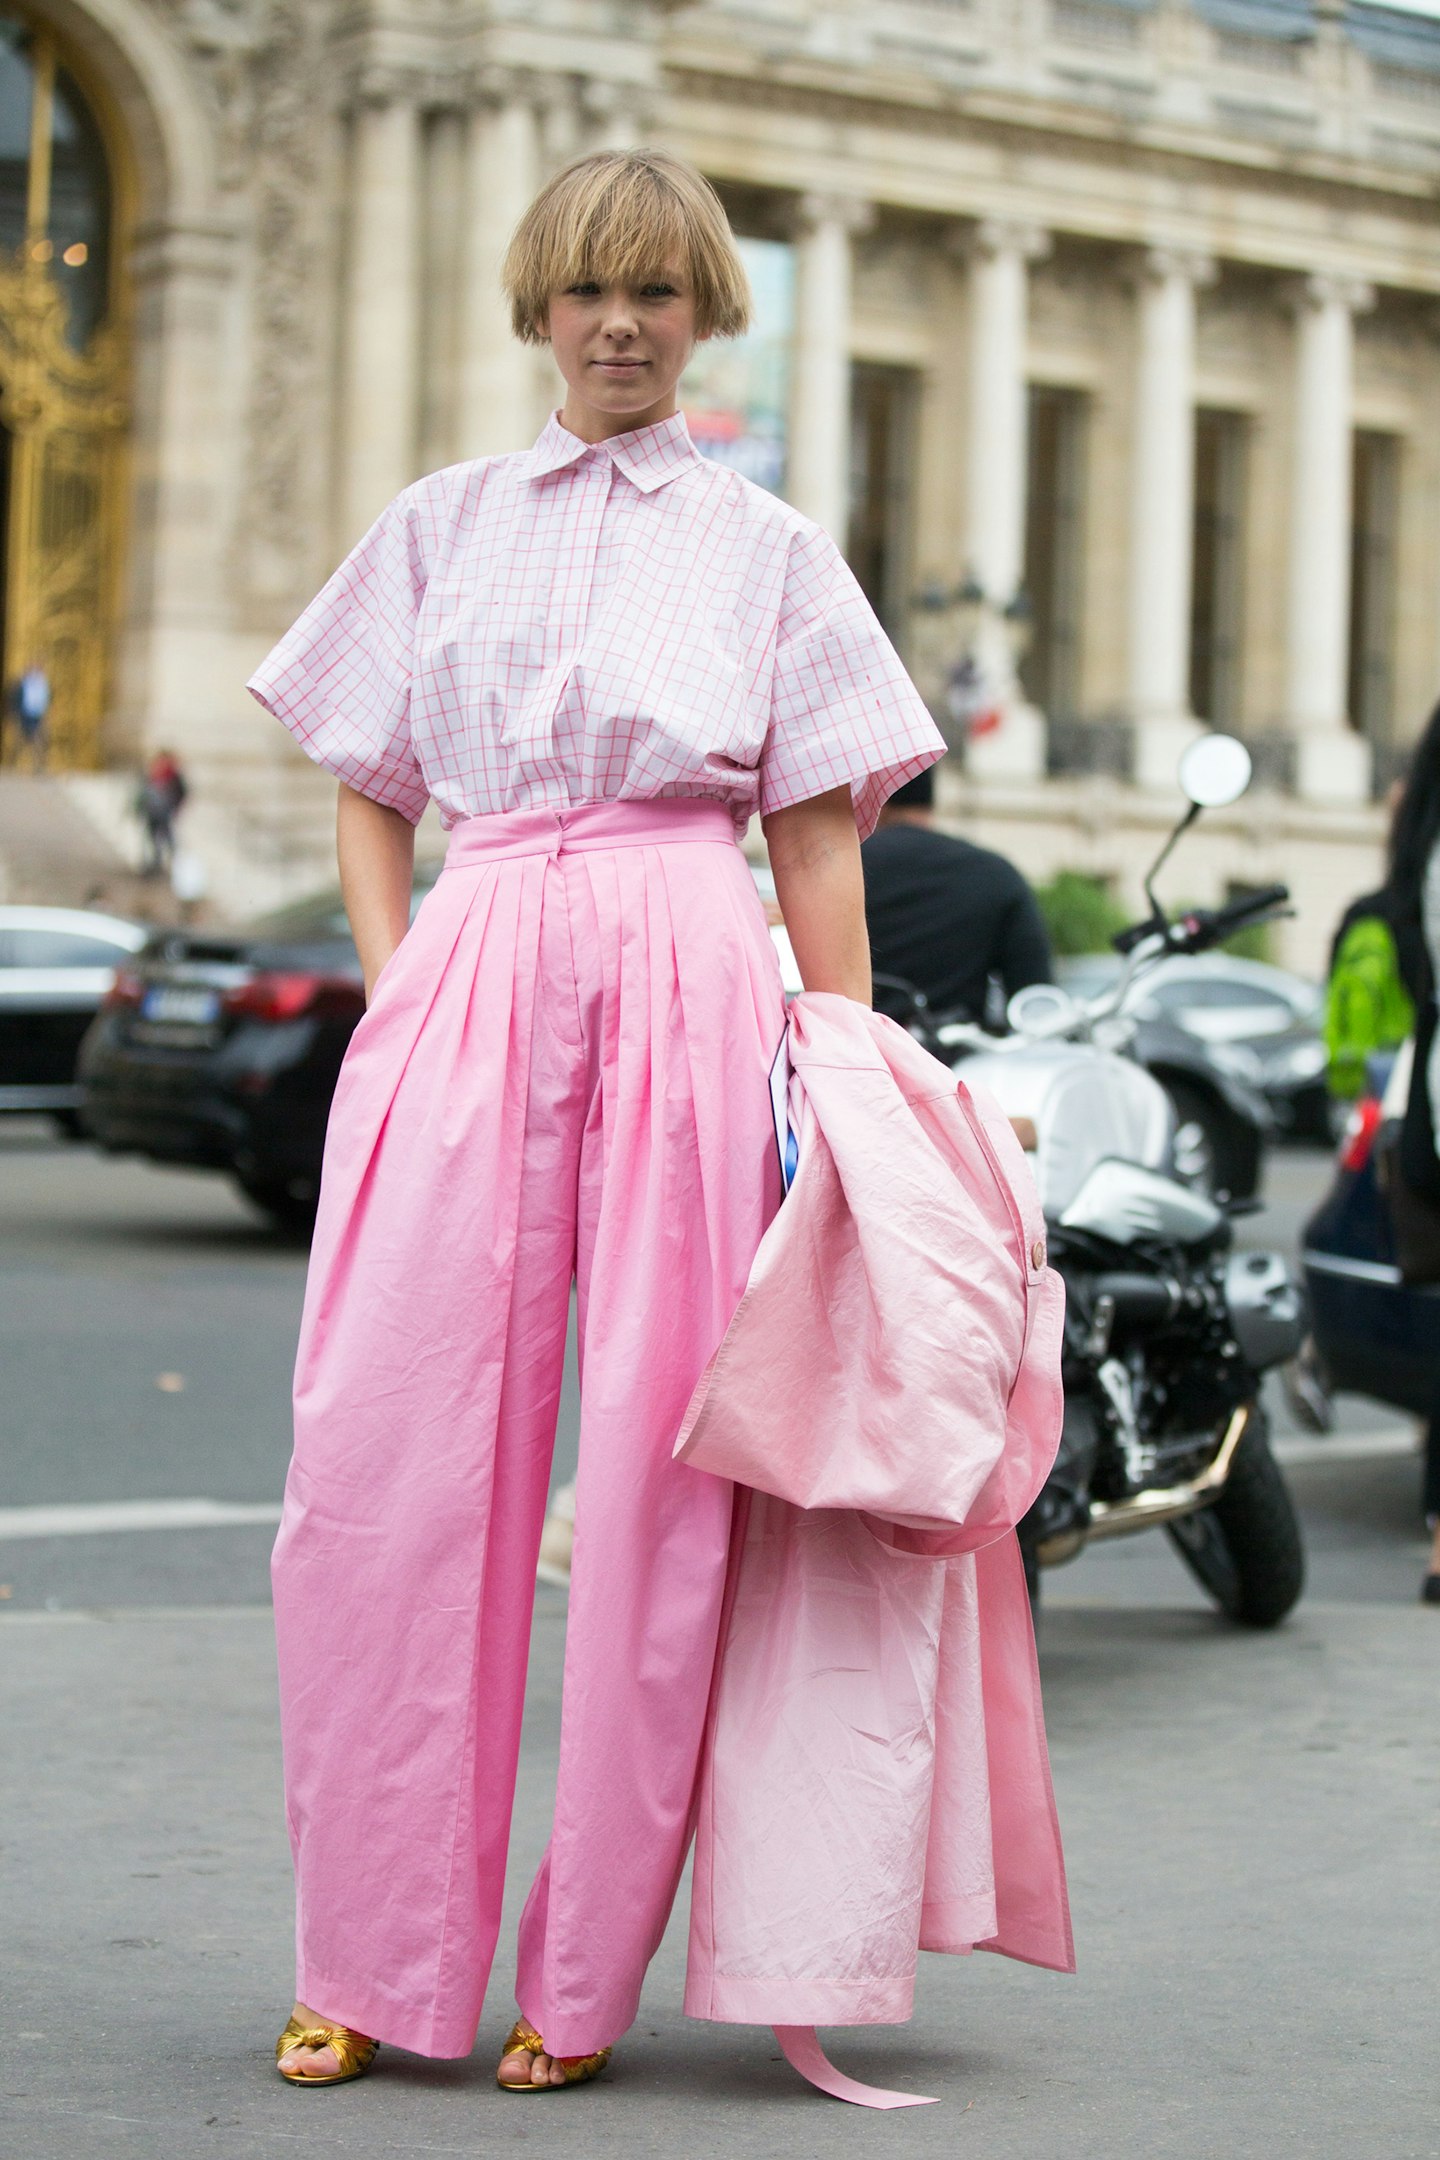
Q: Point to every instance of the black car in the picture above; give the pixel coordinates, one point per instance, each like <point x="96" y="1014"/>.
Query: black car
<point x="221" y="1049"/>
<point x="1261" y="1027"/>
<point x="56" y="965"/>
<point x="1372" y="1333"/>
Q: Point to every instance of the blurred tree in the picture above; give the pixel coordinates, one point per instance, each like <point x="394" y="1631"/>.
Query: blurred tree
<point x="1081" y="914"/>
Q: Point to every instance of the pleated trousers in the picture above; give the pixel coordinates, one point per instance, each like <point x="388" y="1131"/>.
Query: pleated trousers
<point x="562" y="1077"/>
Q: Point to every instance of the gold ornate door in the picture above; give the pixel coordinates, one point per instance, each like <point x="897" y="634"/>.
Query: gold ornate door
<point x="63" y="394"/>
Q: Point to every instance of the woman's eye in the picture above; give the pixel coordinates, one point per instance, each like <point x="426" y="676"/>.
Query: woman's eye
<point x="584" y="289"/>
<point x="657" y="292"/>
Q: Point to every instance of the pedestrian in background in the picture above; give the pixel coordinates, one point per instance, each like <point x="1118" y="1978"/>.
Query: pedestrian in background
<point x="958" y="921"/>
<point x="1368" y="1008"/>
<point x="1413" y="888"/>
<point x="30" y="704"/>
<point x="599" y="657"/>
<point x="158" y="802"/>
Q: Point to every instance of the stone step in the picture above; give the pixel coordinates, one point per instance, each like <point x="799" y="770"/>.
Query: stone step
<point x="263" y="835"/>
<point x="52" y="855"/>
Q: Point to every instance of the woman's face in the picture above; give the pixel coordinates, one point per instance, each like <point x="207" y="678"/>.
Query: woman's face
<point x="622" y="351"/>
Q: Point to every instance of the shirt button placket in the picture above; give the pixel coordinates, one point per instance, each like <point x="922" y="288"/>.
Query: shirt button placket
<point x="569" y="609"/>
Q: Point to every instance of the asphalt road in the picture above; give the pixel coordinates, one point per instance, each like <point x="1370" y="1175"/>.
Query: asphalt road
<point x="147" y="1330"/>
<point x="1250" y="1820"/>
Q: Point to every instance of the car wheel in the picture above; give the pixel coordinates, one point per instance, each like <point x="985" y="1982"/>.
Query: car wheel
<point x="289" y="1202"/>
<point x="1208" y="1155"/>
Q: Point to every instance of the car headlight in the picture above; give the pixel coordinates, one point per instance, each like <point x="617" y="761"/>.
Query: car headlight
<point x="1237" y="1059"/>
<point x="1304" y="1060"/>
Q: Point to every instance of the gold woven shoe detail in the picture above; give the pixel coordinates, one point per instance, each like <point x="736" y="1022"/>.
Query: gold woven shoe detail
<point x="578" y="2069"/>
<point x="353" y="2051"/>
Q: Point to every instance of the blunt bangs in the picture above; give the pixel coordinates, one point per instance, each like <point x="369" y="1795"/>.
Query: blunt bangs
<point x="622" y="217"/>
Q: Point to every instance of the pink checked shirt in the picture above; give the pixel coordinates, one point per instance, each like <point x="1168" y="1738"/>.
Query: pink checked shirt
<point x="597" y="623"/>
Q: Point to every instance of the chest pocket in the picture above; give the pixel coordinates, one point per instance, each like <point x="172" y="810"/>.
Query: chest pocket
<point x="674" y="662"/>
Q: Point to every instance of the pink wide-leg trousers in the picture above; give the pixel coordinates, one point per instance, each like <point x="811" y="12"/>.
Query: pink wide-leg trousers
<point x="561" y="1076"/>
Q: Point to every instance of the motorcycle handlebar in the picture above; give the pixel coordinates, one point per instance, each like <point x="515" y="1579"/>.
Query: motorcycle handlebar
<point x="1203" y="927"/>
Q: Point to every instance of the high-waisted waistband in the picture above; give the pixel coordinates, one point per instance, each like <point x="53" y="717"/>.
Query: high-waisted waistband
<point x="589" y="826"/>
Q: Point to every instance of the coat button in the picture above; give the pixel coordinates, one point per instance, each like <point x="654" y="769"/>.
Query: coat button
<point x="1037" y="1253"/>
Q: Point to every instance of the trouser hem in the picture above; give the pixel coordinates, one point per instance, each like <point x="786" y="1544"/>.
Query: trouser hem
<point x="375" y="2012"/>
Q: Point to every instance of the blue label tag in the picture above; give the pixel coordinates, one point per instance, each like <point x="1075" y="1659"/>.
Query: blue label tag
<point x="786" y="1145"/>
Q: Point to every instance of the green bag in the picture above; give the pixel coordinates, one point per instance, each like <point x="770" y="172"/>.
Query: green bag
<point x="1367" y="1006"/>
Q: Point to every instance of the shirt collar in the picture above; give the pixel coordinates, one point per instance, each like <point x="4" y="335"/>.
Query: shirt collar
<point x="648" y="456"/>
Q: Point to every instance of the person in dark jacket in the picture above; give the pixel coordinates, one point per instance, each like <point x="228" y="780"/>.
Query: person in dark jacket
<point x="1413" y="889"/>
<point x="956" y="920"/>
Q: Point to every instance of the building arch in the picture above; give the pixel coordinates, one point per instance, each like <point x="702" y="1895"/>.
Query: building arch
<point x="141" y="85"/>
<point x="100" y="437"/>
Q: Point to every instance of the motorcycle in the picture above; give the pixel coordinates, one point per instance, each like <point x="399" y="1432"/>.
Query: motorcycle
<point x="1168" y="1329"/>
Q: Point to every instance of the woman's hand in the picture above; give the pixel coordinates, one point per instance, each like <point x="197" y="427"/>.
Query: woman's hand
<point x="815" y="862"/>
<point x="376" y="848"/>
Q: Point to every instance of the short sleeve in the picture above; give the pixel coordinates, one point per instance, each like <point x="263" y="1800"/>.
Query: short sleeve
<point x="842" y="707"/>
<point x="339" y="679"/>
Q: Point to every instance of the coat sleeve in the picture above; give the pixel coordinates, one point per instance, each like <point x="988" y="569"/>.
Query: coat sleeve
<point x="842" y="707"/>
<point x="340" y="677"/>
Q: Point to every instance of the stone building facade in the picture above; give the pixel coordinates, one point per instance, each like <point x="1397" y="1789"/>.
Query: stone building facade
<point x="1113" y="357"/>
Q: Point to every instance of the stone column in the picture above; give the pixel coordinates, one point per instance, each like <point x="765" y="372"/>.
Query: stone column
<point x="617" y="114"/>
<point x="1162" y="511"/>
<point x="818" y="480"/>
<point x="380" y="373"/>
<point x="443" y="206"/>
<point x="999" y="253"/>
<point x="498" y="374"/>
<point x="187" y="442"/>
<point x="1332" y="762"/>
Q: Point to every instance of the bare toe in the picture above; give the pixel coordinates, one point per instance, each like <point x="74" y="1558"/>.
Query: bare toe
<point x="310" y="2062"/>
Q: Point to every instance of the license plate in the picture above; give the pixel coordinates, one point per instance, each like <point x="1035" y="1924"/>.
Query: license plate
<point x="180" y="1005"/>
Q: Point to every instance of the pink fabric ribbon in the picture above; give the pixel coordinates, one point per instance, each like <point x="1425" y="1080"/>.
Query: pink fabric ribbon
<point x="802" y="2050"/>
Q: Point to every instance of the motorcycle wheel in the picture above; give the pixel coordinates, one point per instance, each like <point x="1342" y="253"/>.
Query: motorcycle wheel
<point x="1245" y="1549"/>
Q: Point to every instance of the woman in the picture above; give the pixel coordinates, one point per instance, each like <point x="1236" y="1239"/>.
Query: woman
<point x="1414" y="889"/>
<point x="598" y="657"/>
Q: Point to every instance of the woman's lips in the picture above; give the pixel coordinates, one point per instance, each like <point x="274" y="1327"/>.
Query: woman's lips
<point x="620" y="367"/>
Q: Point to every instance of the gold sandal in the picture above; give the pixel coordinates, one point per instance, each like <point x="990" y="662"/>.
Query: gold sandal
<point x="353" y="2051"/>
<point x="578" y="2069"/>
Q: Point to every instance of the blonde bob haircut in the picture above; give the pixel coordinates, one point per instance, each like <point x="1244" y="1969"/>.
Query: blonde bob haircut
<point x="623" y="217"/>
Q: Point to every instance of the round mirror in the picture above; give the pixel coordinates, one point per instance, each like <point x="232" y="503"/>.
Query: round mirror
<point x="1042" y="1009"/>
<point x="1215" y="771"/>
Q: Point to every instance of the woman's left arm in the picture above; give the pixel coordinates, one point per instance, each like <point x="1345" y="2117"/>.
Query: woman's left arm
<point x="815" y="861"/>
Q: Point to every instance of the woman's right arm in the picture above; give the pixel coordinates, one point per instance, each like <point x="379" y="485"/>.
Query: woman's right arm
<point x="376" y="847"/>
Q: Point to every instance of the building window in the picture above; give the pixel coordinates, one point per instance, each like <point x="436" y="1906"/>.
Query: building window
<point x="1375" y="503"/>
<point x="1218" y="567"/>
<point x="882" y="460"/>
<point x="54" y="177"/>
<point x="1054" y="549"/>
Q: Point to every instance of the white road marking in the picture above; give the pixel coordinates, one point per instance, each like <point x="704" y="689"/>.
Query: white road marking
<point x="1348" y="1447"/>
<point x="92" y="1518"/>
<point x="101" y="1518"/>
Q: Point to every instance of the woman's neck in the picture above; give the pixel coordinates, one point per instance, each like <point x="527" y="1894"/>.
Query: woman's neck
<point x="594" y="426"/>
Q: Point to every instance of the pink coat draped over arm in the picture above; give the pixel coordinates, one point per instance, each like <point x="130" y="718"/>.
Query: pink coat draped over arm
<point x="876" y="1780"/>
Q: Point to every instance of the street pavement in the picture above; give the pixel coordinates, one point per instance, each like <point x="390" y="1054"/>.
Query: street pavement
<point x="1250" y="1820"/>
